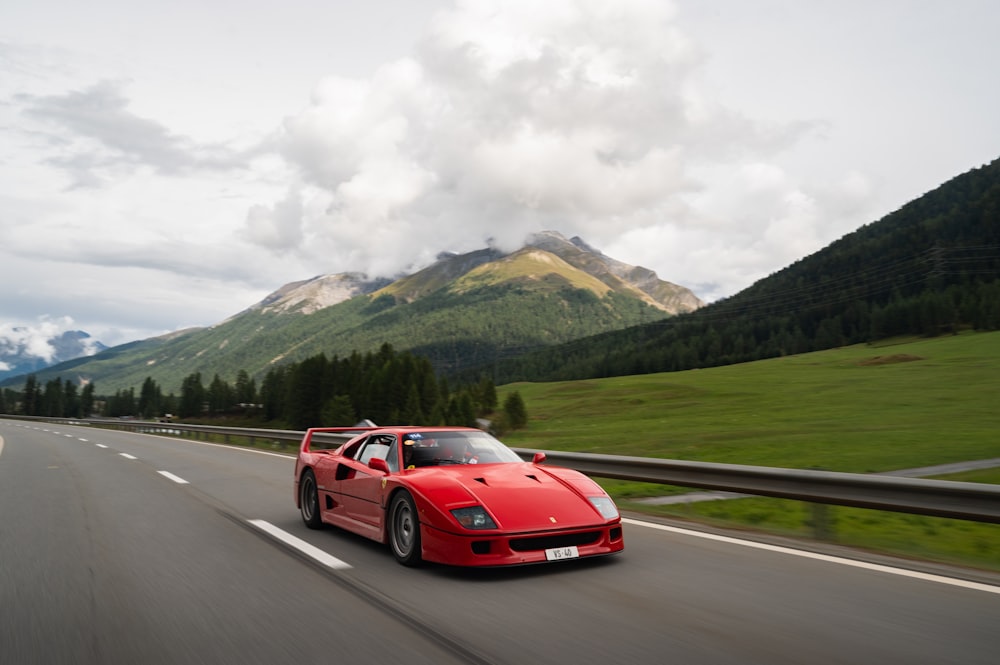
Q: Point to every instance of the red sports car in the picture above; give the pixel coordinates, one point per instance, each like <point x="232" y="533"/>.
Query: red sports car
<point x="453" y="495"/>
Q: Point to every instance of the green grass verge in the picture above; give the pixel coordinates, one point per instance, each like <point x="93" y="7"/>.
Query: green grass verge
<point x="859" y="409"/>
<point x="950" y="541"/>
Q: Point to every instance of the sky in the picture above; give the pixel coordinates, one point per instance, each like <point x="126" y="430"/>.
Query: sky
<point x="168" y="164"/>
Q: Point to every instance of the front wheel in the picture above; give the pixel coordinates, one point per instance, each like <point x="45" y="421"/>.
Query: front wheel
<point x="309" y="500"/>
<point x="404" y="530"/>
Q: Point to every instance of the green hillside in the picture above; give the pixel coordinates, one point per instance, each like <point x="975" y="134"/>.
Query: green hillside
<point x="463" y="312"/>
<point x="862" y="408"/>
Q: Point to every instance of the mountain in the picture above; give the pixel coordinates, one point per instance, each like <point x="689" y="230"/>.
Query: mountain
<point x="23" y="352"/>
<point x="463" y="311"/>
<point x="617" y="275"/>
<point x="930" y="268"/>
<point x="314" y="294"/>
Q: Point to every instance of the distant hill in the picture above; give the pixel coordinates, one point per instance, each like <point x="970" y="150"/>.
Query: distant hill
<point x="463" y="311"/>
<point x="930" y="268"/>
<point x="23" y="353"/>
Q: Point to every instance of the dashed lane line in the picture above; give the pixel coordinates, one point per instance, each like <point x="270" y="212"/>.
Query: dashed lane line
<point x="302" y="546"/>
<point x="176" y="479"/>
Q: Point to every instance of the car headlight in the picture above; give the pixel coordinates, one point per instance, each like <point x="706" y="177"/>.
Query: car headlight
<point x="474" y="517"/>
<point x="605" y="506"/>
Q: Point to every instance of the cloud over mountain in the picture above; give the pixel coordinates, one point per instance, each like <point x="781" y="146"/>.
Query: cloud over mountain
<point x="512" y="118"/>
<point x="25" y="349"/>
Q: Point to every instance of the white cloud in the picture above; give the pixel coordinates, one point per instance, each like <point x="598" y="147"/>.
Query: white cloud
<point x="95" y="137"/>
<point x="33" y="340"/>
<point x="511" y="118"/>
<point x="278" y="227"/>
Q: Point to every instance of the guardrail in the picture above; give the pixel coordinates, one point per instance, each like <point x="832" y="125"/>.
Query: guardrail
<point x="283" y="438"/>
<point x="940" y="498"/>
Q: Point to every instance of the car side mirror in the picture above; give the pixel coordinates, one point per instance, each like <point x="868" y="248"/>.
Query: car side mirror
<point x="538" y="458"/>
<point x="378" y="464"/>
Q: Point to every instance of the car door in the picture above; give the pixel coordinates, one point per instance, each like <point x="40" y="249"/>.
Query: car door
<point x="361" y="487"/>
<point x="330" y="472"/>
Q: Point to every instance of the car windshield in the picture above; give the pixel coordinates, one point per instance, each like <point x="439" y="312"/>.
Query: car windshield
<point x="451" y="447"/>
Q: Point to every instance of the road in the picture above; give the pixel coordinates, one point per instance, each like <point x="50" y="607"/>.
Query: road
<point x="126" y="548"/>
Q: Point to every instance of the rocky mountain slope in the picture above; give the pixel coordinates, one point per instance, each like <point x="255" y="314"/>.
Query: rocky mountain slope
<point x="463" y="311"/>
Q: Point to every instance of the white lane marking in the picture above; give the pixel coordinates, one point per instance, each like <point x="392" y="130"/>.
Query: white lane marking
<point x="1" y="445"/>
<point x="940" y="579"/>
<point x="68" y="436"/>
<point x="84" y="440"/>
<point x="127" y="456"/>
<point x="241" y="448"/>
<point x="226" y="446"/>
<point x="301" y="545"/>
<point x="100" y="445"/>
<point x="176" y="479"/>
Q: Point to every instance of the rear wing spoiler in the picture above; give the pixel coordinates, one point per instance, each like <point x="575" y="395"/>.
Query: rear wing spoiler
<point x="330" y="437"/>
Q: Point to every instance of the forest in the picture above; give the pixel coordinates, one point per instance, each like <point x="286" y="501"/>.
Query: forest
<point x="384" y="387"/>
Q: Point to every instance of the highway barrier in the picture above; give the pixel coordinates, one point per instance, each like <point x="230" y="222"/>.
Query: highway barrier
<point x="940" y="498"/>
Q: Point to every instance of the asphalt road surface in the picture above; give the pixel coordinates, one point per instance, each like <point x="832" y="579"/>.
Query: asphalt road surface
<point x="130" y="548"/>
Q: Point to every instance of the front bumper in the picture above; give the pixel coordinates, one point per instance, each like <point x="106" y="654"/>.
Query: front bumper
<point x="505" y="549"/>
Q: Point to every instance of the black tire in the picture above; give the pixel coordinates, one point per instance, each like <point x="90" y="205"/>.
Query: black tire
<point x="404" y="530"/>
<point x="309" y="500"/>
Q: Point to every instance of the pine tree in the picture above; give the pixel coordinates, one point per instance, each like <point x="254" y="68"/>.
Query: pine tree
<point x="192" y="396"/>
<point x="87" y="399"/>
<point x="220" y="395"/>
<point x="31" y="402"/>
<point x="411" y="413"/>
<point x="246" y="389"/>
<point x="71" y="401"/>
<point x="338" y="412"/>
<point x="514" y="410"/>
<point x="150" y="397"/>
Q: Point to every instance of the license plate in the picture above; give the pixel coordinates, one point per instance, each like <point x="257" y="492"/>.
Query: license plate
<point x="560" y="553"/>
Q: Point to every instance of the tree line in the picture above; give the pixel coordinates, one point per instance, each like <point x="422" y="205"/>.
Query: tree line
<point x="386" y="387"/>
<point x="711" y="339"/>
<point x="56" y="399"/>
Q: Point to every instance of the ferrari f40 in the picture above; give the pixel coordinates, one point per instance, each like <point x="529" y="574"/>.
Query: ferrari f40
<point x="452" y="495"/>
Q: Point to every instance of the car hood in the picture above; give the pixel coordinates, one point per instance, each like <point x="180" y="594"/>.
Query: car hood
<point x="520" y="496"/>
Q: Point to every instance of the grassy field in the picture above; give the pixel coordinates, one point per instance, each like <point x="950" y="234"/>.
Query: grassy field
<point x="862" y="409"/>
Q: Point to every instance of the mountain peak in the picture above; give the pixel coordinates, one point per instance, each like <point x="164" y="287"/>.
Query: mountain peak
<point x="619" y="276"/>
<point x="530" y="264"/>
<point x="311" y="295"/>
